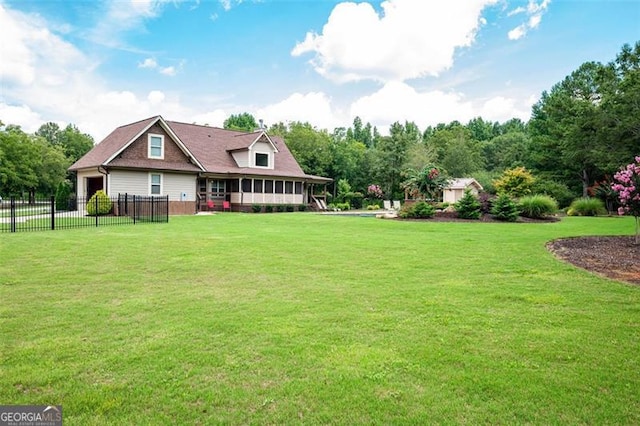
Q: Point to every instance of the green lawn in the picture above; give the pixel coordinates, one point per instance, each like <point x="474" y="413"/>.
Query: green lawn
<point x="303" y="318"/>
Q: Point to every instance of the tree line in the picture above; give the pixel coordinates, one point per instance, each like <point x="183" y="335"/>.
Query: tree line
<point x="580" y="133"/>
<point x="37" y="163"/>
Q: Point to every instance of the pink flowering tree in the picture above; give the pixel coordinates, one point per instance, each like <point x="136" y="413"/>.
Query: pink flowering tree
<point x="374" y="191"/>
<point x="626" y="183"/>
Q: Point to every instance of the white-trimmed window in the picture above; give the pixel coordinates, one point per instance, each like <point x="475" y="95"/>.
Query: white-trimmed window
<point x="156" y="146"/>
<point x="155" y="183"/>
<point x="262" y="159"/>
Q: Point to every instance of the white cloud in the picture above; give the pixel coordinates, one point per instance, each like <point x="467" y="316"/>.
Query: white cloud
<point x="399" y="102"/>
<point x="213" y="118"/>
<point x="534" y="12"/>
<point x="517" y="32"/>
<point x="22" y="115"/>
<point x="517" y="11"/>
<point x="155" y="97"/>
<point x="148" y="63"/>
<point x="534" y="21"/>
<point x="314" y="107"/>
<point x="409" y="40"/>
<point x="170" y="71"/>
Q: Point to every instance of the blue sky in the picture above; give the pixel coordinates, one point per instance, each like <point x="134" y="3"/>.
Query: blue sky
<point x="101" y="64"/>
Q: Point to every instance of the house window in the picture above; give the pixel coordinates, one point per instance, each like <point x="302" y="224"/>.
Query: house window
<point x="246" y="185"/>
<point x="268" y="186"/>
<point x="262" y="160"/>
<point x="257" y="186"/>
<point x="217" y="188"/>
<point x="155" y="183"/>
<point x="235" y="185"/>
<point x="288" y="187"/>
<point x="279" y="187"/>
<point x="298" y="187"/>
<point x="156" y="146"/>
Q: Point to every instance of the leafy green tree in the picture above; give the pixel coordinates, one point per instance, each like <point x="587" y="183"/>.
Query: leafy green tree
<point x="567" y="123"/>
<point x="506" y="151"/>
<point x="244" y="122"/>
<point x="310" y="147"/>
<point x="74" y="143"/>
<point x="515" y="182"/>
<point x="390" y="157"/>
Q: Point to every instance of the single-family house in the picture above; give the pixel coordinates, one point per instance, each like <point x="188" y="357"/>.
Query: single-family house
<point x="455" y="190"/>
<point x="197" y="167"/>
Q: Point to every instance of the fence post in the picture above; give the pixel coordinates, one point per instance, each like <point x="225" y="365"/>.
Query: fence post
<point x="52" y="207"/>
<point x="134" y="209"/>
<point x="13" y="214"/>
<point x="96" y="211"/>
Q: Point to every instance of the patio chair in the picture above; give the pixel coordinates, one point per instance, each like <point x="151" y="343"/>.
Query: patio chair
<point x="210" y="205"/>
<point x="387" y="204"/>
<point x="396" y="205"/>
<point x="226" y="205"/>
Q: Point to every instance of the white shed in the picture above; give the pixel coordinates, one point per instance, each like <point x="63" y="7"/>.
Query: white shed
<point x="455" y="190"/>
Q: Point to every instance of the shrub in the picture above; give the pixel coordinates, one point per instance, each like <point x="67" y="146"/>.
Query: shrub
<point x="373" y="207"/>
<point x="354" y="199"/>
<point x="418" y="210"/>
<point x="556" y="190"/>
<point x="280" y="207"/>
<point x="586" y="207"/>
<point x="268" y="208"/>
<point x="486" y="201"/>
<point x="99" y="204"/>
<point x="63" y="193"/>
<point x="343" y="206"/>
<point x="256" y="208"/>
<point x="504" y="208"/>
<point x="537" y="206"/>
<point x="468" y="207"/>
<point x="289" y="208"/>
<point x="516" y="182"/>
<point x="302" y="207"/>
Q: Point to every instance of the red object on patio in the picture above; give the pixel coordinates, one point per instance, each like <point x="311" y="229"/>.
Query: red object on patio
<point x="226" y="206"/>
<point x="210" y="205"/>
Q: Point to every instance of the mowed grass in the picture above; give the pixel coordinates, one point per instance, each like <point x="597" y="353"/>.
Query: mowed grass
<point x="303" y="318"/>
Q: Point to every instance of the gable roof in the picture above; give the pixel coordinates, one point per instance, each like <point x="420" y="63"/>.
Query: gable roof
<point x="209" y="147"/>
<point x="463" y="183"/>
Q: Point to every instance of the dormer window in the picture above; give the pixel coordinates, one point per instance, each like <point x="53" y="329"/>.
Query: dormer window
<point x="156" y="146"/>
<point x="262" y="160"/>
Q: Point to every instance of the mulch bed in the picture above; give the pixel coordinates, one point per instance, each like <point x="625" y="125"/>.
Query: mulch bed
<point x="614" y="257"/>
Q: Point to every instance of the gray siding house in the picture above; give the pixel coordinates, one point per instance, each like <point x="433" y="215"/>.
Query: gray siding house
<point x="197" y="167"/>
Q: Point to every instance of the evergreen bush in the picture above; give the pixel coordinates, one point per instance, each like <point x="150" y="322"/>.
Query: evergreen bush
<point x="256" y="208"/>
<point x="99" y="204"/>
<point x="302" y="207"/>
<point x="505" y="209"/>
<point x="418" y="210"/>
<point x="63" y="193"/>
<point x="468" y="207"/>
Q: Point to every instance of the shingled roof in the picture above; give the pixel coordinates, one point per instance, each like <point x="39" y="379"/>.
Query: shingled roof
<point x="209" y="149"/>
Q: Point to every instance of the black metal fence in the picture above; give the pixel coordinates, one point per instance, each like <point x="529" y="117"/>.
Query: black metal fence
<point x="37" y="214"/>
